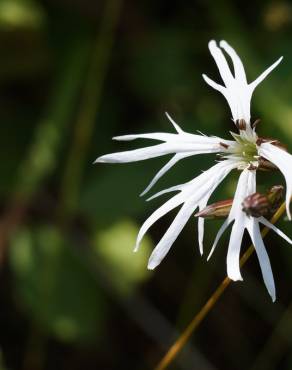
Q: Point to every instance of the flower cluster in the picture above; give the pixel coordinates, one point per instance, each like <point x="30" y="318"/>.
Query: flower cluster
<point x="246" y="152"/>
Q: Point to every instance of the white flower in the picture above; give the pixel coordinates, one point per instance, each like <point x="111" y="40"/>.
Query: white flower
<point x="243" y="153"/>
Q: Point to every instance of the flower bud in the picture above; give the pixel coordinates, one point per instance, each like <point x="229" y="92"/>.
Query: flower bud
<point x="275" y="196"/>
<point x="216" y="210"/>
<point x="256" y="205"/>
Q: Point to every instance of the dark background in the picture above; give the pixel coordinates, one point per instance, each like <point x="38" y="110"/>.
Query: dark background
<point x="73" y="74"/>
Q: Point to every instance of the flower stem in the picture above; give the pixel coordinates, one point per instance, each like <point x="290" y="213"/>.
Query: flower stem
<point x="177" y="346"/>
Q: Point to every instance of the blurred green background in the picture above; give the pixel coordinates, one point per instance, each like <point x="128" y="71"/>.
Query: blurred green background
<point x="74" y="73"/>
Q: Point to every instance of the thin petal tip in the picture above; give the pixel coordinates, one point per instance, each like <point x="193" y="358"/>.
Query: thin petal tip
<point x="145" y="191"/>
<point x="151" y="265"/>
<point x="99" y="160"/>
<point x="212" y="44"/>
<point x="288" y="209"/>
<point x="235" y="276"/>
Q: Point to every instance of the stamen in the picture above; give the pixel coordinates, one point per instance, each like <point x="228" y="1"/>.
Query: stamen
<point x="265" y="165"/>
<point x="256" y="122"/>
<point x="224" y="145"/>
<point x="252" y="167"/>
<point x="275" y="142"/>
<point x="240" y="124"/>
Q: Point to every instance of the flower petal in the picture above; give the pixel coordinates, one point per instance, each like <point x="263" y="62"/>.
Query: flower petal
<point x="262" y="76"/>
<point x="275" y="229"/>
<point x="191" y="195"/>
<point x="136" y="154"/>
<point x="255" y="234"/>
<point x="237" y="91"/>
<point x="160" y="212"/>
<point x="162" y="136"/>
<point x="171" y="234"/>
<point x="157" y="151"/>
<point x="164" y="191"/>
<point x="283" y="161"/>
<point x="201" y="226"/>
<point x="165" y="168"/>
<point x="221" y="62"/>
<point x="218" y="236"/>
<point x="237" y="63"/>
<point x="233" y="268"/>
<point x="175" y="125"/>
<point x="214" y="84"/>
<point x="245" y="187"/>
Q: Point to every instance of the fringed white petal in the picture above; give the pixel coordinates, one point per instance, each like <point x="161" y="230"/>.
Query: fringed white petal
<point x="201" y="226"/>
<point x="161" y="136"/>
<point x="275" y="229"/>
<point x="175" y="125"/>
<point x="223" y="227"/>
<point x="191" y="194"/>
<point x="176" y="158"/>
<point x="160" y="212"/>
<point x="245" y="187"/>
<point x="262" y="76"/>
<point x="237" y="91"/>
<point x="239" y="71"/>
<point x="201" y="223"/>
<point x="181" y="144"/>
<point x="283" y="161"/>
<point x="157" y="151"/>
<point x="221" y="62"/>
<point x="214" y="84"/>
<point x="233" y="254"/>
<point x="171" y="234"/>
<point x="165" y="191"/>
<point x="255" y="234"/>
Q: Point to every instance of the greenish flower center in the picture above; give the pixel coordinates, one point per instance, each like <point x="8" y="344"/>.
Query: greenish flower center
<point x="245" y="149"/>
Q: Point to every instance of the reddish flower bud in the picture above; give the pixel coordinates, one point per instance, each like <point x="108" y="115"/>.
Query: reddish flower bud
<point x="216" y="210"/>
<point x="256" y="205"/>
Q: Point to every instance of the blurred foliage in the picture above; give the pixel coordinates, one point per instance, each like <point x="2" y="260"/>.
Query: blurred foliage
<point x="55" y="287"/>
<point x="20" y="14"/>
<point x="72" y="75"/>
<point x="115" y="248"/>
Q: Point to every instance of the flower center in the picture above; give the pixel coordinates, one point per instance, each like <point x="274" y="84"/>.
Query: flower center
<point x="245" y="150"/>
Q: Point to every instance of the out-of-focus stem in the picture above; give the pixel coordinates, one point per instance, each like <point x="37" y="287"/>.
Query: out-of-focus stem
<point x="89" y="107"/>
<point x="42" y="155"/>
<point x="178" y="345"/>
